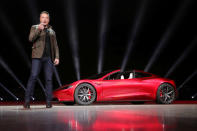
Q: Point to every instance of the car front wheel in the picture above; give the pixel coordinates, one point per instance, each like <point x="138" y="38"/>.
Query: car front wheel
<point x="85" y="94"/>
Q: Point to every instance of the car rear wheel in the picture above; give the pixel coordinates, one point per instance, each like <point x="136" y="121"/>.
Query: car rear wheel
<point x="165" y="94"/>
<point x="85" y="94"/>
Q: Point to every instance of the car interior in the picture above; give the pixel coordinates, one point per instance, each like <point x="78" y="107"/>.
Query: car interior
<point x="121" y="75"/>
<point x="126" y="75"/>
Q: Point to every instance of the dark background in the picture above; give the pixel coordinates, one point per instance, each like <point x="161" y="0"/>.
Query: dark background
<point x="159" y="16"/>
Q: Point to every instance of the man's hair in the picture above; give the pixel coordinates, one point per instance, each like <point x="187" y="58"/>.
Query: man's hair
<point x="44" y="12"/>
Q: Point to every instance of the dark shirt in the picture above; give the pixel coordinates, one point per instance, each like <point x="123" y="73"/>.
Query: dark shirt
<point x="47" y="49"/>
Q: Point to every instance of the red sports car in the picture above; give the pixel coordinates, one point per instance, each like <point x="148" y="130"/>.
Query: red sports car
<point x="134" y="86"/>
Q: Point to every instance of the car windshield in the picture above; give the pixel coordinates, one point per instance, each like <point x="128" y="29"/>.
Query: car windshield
<point x="97" y="76"/>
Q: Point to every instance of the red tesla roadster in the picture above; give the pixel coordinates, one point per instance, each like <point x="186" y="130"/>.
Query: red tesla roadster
<point x="134" y="86"/>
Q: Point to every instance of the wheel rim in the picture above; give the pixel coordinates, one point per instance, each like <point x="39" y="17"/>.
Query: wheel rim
<point x="85" y="94"/>
<point x="167" y="94"/>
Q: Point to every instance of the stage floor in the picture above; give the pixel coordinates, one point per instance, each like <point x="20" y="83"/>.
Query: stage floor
<point x="100" y="117"/>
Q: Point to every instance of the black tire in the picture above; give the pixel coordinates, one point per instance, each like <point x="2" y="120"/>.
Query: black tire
<point x="137" y="102"/>
<point x="165" y="94"/>
<point x="85" y="94"/>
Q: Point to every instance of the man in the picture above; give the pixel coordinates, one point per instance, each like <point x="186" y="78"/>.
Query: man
<point x="45" y="53"/>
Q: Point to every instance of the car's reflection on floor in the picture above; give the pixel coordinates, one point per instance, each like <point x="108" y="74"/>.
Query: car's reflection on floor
<point x="116" y="119"/>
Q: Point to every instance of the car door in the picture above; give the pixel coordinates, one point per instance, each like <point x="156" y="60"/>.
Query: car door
<point x="146" y="86"/>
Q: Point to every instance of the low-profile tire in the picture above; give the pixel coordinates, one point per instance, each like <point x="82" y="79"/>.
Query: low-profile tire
<point x="165" y="94"/>
<point x="138" y="102"/>
<point x="85" y="94"/>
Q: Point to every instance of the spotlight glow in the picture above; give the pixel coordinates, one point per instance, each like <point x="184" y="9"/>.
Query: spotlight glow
<point x="15" y="41"/>
<point x="1" y="98"/>
<point x="102" y="34"/>
<point x="182" y="57"/>
<point x="8" y="91"/>
<point x="6" y="67"/>
<point x="189" y="78"/>
<point x="134" y="32"/>
<point x="57" y="76"/>
<point x="179" y="15"/>
<point x="73" y="35"/>
<point x="194" y="96"/>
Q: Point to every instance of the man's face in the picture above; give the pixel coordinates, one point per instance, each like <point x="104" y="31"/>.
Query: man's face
<point x="44" y="18"/>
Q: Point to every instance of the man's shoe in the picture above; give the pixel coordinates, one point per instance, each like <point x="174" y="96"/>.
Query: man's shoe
<point x="26" y="105"/>
<point x="48" y="105"/>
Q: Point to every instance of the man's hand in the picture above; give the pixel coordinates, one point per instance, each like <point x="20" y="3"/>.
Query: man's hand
<point x="56" y="61"/>
<point x="41" y="26"/>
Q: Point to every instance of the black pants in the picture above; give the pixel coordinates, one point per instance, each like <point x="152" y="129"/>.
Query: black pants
<point x="37" y="64"/>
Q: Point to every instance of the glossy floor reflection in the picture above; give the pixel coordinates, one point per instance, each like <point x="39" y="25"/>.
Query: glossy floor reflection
<point x="100" y="117"/>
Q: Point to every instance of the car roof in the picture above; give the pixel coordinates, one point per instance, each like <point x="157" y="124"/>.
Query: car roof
<point x="113" y="71"/>
<point x="130" y="71"/>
